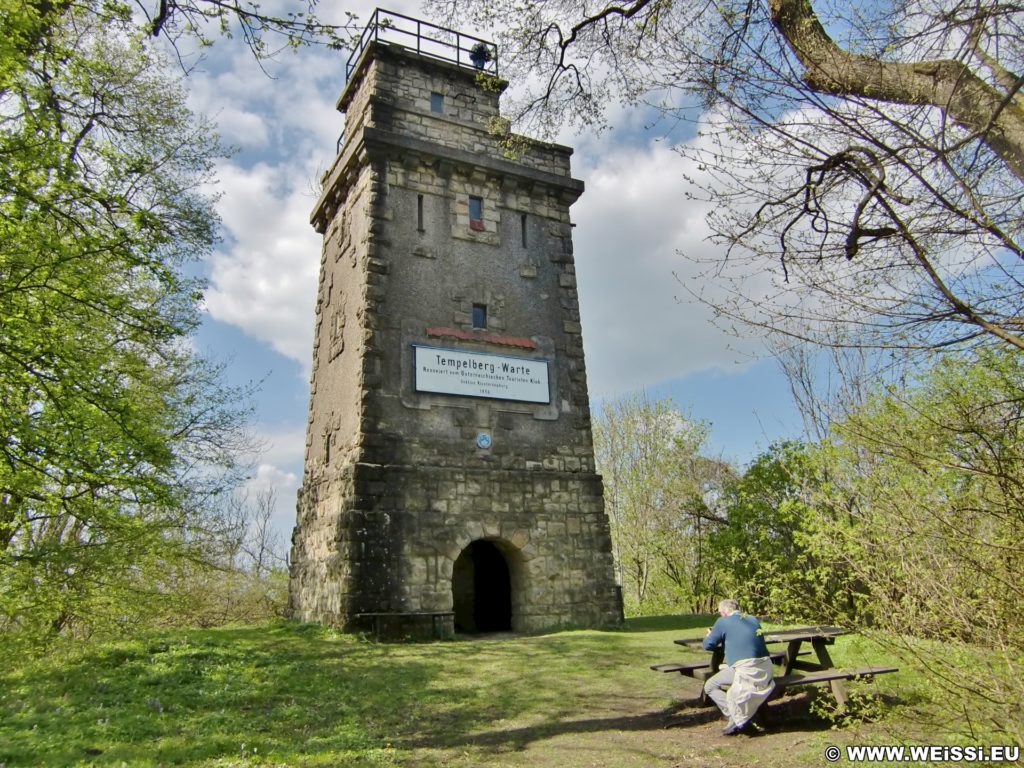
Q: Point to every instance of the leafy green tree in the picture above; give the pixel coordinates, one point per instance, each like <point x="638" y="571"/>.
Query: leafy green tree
<point x="113" y="433"/>
<point x="760" y="542"/>
<point x="919" y="508"/>
<point x="660" y="493"/>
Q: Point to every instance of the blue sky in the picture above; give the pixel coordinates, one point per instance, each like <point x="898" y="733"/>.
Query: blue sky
<point x="641" y="332"/>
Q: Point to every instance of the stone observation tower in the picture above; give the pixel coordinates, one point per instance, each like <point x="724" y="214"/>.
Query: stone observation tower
<point x="449" y="478"/>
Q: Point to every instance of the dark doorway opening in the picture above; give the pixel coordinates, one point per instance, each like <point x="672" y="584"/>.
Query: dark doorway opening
<point x="482" y="589"/>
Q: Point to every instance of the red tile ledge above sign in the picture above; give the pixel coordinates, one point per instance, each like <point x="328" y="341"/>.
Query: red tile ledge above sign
<point x="487" y="338"/>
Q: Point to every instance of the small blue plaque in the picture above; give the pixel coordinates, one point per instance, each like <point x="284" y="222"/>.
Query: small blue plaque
<point x="483" y="441"/>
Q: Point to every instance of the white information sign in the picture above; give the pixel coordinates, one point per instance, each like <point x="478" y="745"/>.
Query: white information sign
<point x="479" y="374"/>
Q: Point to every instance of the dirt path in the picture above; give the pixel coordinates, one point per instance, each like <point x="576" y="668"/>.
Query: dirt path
<point x="628" y="732"/>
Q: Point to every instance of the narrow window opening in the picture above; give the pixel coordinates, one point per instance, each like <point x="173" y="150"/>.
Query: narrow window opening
<point x="437" y="103"/>
<point x="522" y="228"/>
<point x="479" y="315"/>
<point x="476" y="213"/>
<point x="419" y="213"/>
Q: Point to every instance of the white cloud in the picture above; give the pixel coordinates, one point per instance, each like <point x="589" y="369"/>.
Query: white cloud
<point x="283" y="445"/>
<point x="285" y="105"/>
<point x="247" y="129"/>
<point x="226" y="90"/>
<point x="269" y="477"/>
<point x="640" y="326"/>
<point x="265" y="283"/>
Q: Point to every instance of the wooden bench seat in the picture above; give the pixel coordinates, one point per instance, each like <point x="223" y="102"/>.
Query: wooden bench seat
<point x="420" y="624"/>
<point x="687" y="668"/>
<point x="836" y="678"/>
<point x="826" y="675"/>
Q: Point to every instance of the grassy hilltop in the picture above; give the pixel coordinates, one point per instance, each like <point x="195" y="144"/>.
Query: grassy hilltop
<point x="300" y="695"/>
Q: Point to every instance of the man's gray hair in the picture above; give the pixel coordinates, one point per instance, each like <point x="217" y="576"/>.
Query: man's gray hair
<point x="728" y="605"/>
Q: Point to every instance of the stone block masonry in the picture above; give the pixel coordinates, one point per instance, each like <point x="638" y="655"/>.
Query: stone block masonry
<point x="424" y="511"/>
<point x="386" y="539"/>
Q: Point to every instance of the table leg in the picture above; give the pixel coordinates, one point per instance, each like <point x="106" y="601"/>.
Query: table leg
<point x="838" y="686"/>
<point x="821" y="650"/>
<point x="792" y="653"/>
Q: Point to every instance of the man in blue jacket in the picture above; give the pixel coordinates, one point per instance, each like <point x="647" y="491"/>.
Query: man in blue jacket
<point x="747" y="671"/>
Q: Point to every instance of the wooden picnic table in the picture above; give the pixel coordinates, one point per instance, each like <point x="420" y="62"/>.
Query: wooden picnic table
<point x="820" y="638"/>
<point x="789" y="661"/>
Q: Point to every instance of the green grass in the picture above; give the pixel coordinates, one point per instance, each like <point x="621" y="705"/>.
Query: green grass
<point x="300" y="695"/>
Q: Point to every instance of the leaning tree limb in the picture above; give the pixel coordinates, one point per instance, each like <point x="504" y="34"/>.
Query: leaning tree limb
<point x="948" y="84"/>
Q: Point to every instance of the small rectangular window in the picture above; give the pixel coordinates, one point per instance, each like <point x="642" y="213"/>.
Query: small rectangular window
<point x="479" y="315"/>
<point x="522" y="228"/>
<point x="476" y="213"/>
<point x="437" y="103"/>
<point x="419" y="213"/>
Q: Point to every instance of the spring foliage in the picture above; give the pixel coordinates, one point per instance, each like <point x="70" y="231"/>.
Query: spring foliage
<point x="113" y="433"/>
<point x="919" y="509"/>
<point x="660" y="493"/>
<point x="906" y="524"/>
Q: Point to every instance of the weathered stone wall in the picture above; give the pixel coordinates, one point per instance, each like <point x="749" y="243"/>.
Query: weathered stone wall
<point x="398" y="530"/>
<point x="550" y="525"/>
<point x="395" y="486"/>
<point x="396" y="89"/>
<point x="344" y="295"/>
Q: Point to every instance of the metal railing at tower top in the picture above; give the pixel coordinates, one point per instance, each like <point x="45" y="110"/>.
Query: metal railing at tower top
<point x="427" y="40"/>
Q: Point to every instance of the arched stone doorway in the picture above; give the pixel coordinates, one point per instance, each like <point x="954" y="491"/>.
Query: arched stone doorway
<point x="482" y="589"/>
